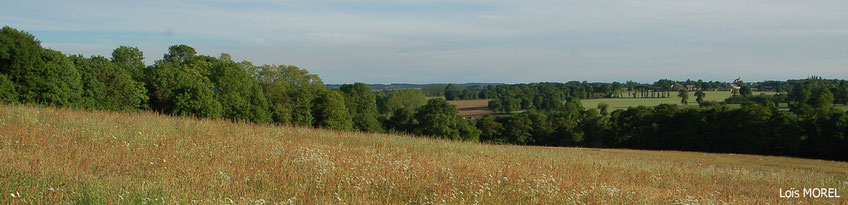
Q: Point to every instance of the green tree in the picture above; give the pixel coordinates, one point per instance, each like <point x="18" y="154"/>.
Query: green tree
<point x="440" y="119"/>
<point x="183" y="87"/>
<point x="407" y="100"/>
<point x="745" y="91"/>
<point x="40" y="75"/>
<point x="108" y="86"/>
<point x="362" y="106"/>
<point x="683" y="94"/>
<point x="7" y="90"/>
<point x="519" y="129"/>
<point x="402" y="121"/>
<point x="821" y="98"/>
<point x="603" y="108"/>
<point x="301" y="108"/>
<point x="332" y="112"/>
<point x="798" y="97"/>
<point x="699" y="96"/>
<point x="130" y="59"/>
<point x="289" y="90"/>
<point x="240" y="95"/>
<point x="490" y="129"/>
<point x="195" y="98"/>
<point x="467" y="94"/>
<point x="179" y="53"/>
<point x="467" y="130"/>
<point x="451" y="92"/>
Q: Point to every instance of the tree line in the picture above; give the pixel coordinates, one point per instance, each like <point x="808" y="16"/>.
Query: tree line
<point x="184" y="83"/>
<point x="812" y="127"/>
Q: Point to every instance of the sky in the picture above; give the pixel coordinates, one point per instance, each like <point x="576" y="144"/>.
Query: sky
<point x="488" y="41"/>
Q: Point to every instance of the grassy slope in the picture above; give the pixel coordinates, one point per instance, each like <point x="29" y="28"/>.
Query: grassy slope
<point x="56" y="155"/>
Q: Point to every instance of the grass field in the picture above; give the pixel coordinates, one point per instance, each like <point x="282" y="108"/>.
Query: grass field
<point x="624" y="103"/>
<point x="62" y="156"/>
<point x="478" y="108"/>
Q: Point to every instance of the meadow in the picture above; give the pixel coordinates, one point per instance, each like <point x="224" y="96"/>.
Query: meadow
<point x="478" y="108"/>
<point x="625" y="102"/>
<point x="58" y="156"/>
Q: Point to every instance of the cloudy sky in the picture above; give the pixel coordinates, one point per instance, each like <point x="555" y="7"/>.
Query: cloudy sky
<point x="417" y="41"/>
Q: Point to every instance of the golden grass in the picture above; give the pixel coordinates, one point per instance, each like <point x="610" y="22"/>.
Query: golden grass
<point x="54" y="156"/>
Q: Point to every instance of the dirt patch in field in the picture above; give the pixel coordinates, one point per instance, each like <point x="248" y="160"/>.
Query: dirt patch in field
<point x="472" y="108"/>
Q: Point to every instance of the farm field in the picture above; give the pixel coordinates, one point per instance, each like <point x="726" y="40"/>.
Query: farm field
<point x="472" y="108"/>
<point x="63" y="156"/>
<point x="480" y="107"/>
<point x="625" y="102"/>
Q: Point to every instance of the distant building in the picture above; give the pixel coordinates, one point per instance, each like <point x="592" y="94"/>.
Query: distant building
<point x="736" y="84"/>
<point x="690" y="87"/>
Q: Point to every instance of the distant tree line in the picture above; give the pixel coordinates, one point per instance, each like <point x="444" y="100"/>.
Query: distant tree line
<point x="813" y="128"/>
<point x="187" y="84"/>
<point x="796" y="92"/>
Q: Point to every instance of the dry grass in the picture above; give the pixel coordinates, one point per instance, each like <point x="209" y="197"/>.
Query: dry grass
<point x="53" y="156"/>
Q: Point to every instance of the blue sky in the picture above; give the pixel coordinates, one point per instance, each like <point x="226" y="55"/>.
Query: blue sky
<point x="415" y="41"/>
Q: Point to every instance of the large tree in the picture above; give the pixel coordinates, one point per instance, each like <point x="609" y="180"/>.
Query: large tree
<point x="239" y="93"/>
<point x="183" y="87"/>
<point x="289" y="91"/>
<point x="683" y="94"/>
<point x="699" y="96"/>
<point x="362" y="105"/>
<point x="332" y="113"/>
<point x="130" y="59"/>
<point x="407" y="100"/>
<point x="745" y="91"/>
<point x="40" y="75"/>
<point x="108" y="86"/>
<point x="179" y="53"/>
<point x="7" y="90"/>
<point x="440" y="119"/>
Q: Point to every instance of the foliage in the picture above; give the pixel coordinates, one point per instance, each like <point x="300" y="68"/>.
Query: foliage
<point x="182" y="88"/>
<point x="302" y="108"/>
<point x="439" y="118"/>
<point x="362" y="106"/>
<point x="130" y="59"/>
<point x="7" y="90"/>
<point x="332" y="113"/>
<point x="41" y="76"/>
<point x="239" y="93"/>
<point x="406" y="100"/>
<point x="683" y="94"/>
<point x="699" y="96"/>
<point x="289" y="91"/>
<point x="108" y="86"/>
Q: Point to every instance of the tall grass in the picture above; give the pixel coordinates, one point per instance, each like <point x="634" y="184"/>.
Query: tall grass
<point x="50" y="155"/>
